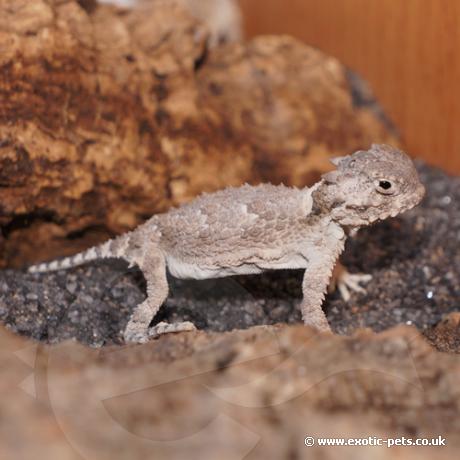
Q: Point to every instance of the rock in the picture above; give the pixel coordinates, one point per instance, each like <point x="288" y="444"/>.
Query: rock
<point x="110" y="115"/>
<point x="222" y="17"/>
<point x="256" y="393"/>
<point x="445" y="336"/>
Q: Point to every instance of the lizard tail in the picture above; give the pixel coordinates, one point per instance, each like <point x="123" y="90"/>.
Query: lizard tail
<point x="111" y="248"/>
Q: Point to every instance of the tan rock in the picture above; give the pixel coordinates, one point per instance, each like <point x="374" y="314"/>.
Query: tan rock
<point x="258" y="393"/>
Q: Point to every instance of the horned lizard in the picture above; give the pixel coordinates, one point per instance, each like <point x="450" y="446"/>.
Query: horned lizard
<point x="250" y="229"/>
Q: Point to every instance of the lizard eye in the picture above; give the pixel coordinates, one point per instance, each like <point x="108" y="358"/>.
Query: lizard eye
<point x="385" y="187"/>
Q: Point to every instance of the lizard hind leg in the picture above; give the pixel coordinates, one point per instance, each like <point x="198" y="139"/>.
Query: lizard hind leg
<point x="153" y="267"/>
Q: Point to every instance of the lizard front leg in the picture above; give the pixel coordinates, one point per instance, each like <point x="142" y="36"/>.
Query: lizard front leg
<point x="153" y="266"/>
<point x="314" y="286"/>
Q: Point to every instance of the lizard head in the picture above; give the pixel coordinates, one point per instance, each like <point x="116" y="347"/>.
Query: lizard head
<point x="371" y="185"/>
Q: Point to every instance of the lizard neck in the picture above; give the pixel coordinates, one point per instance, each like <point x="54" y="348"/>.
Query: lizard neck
<point x="324" y="197"/>
<point x="329" y="203"/>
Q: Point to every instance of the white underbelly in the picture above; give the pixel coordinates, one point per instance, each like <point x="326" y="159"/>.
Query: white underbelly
<point x="186" y="270"/>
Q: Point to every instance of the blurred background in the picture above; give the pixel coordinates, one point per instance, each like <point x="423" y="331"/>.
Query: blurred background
<point x="408" y="51"/>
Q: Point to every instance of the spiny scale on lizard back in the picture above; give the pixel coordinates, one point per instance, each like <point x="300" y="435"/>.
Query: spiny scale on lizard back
<point x="252" y="216"/>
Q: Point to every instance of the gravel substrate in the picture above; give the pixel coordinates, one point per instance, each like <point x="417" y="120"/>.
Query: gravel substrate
<point x="414" y="260"/>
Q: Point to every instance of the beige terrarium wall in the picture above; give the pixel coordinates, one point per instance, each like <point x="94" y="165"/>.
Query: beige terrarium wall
<point x="408" y="50"/>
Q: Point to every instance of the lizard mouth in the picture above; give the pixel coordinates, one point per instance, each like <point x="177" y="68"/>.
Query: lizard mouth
<point x="410" y="204"/>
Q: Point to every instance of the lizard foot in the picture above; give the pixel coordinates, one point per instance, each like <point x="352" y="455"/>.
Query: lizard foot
<point x="350" y="281"/>
<point x="346" y="282"/>
<point x="169" y="328"/>
<point x="143" y="336"/>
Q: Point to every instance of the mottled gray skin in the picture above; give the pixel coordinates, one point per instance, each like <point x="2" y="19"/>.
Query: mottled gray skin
<point x="251" y="229"/>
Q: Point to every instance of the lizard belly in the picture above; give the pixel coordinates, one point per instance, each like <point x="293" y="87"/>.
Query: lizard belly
<point x="187" y="270"/>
